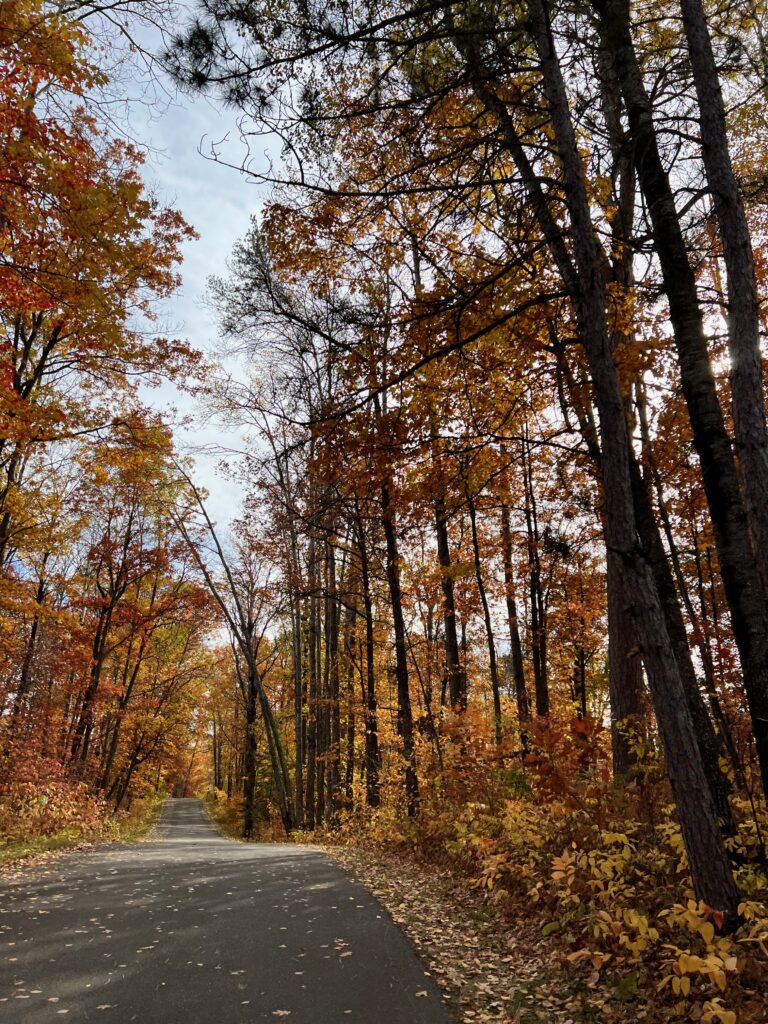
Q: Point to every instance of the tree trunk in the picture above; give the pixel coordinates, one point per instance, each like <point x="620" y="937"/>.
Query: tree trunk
<point x="741" y="579"/>
<point x="492" y="663"/>
<point x="82" y="738"/>
<point x="25" y="675"/>
<point x="538" y="607"/>
<point x="350" y="634"/>
<point x="249" y="764"/>
<point x="746" y="372"/>
<point x="515" y="646"/>
<point x="372" y="757"/>
<point x="724" y="742"/>
<point x="625" y="675"/>
<point x="298" y="697"/>
<point x="313" y="688"/>
<point x="404" y="712"/>
<point x="706" y="737"/>
<point x="710" y="868"/>
<point x="333" y="713"/>
<point x="454" y="672"/>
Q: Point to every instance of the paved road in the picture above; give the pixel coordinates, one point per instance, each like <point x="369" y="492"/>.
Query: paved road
<point x="191" y="928"/>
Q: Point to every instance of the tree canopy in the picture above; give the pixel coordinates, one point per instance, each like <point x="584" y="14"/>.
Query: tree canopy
<point x="499" y="585"/>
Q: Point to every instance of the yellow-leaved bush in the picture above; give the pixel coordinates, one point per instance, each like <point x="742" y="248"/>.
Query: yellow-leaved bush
<point x="600" y="870"/>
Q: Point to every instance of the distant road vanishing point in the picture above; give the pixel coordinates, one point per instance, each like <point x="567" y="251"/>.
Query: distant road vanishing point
<point x="192" y="928"/>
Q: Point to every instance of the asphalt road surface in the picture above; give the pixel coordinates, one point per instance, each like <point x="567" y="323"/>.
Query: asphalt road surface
<point x="191" y="928"/>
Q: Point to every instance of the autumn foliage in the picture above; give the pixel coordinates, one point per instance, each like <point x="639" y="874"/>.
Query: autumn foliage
<point x="102" y="628"/>
<point x="498" y="592"/>
<point x="502" y="324"/>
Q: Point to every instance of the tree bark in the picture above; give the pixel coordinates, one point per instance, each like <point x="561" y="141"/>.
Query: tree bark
<point x="404" y="711"/>
<point x="298" y="695"/>
<point x="515" y="646"/>
<point x="454" y="671"/>
<point x="350" y="634"/>
<point x="313" y="688"/>
<point x="249" y="765"/>
<point x="492" y="662"/>
<point x="333" y="713"/>
<point x="746" y="373"/>
<point x="372" y="755"/>
<point x="538" y="630"/>
<point x="741" y="578"/>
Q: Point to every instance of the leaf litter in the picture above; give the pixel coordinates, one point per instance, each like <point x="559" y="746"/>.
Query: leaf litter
<point x="488" y="967"/>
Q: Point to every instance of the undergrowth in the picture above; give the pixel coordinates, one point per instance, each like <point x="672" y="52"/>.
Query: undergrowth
<point x="51" y="812"/>
<point x="227" y="815"/>
<point x="599" y="869"/>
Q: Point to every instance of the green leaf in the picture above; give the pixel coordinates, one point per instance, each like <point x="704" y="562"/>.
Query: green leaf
<point x="626" y="988"/>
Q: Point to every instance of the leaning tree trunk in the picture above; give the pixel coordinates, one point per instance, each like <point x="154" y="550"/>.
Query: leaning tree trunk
<point x="706" y="737"/>
<point x="741" y="578"/>
<point x="746" y="371"/>
<point x="280" y="774"/>
<point x="710" y="867"/>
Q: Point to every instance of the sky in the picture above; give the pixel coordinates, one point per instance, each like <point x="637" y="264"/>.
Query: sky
<point x="218" y="202"/>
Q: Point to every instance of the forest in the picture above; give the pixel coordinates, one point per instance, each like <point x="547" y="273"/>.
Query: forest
<point x="496" y="598"/>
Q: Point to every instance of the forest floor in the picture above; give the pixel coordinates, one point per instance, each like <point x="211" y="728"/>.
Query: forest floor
<point x="490" y="967"/>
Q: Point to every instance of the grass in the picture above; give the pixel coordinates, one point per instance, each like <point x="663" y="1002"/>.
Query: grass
<point x="226" y="816"/>
<point x="20" y="849"/>
<point x="129" y="827"/>
<point x="138" y="822"/>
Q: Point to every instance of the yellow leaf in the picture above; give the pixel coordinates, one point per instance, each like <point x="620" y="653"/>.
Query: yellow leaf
<point x="707" y="931"/>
